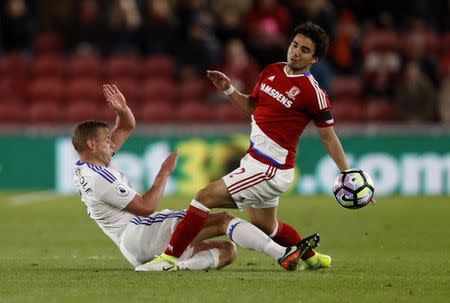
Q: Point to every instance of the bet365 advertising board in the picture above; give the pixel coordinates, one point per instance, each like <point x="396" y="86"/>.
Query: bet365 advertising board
<point x="398" y="164"/>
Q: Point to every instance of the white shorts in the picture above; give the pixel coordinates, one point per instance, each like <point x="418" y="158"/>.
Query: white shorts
<point x="146" y="237"/>
<point x="257" y="185"/>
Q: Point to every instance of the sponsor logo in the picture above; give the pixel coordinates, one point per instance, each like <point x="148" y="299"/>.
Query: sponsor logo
<point x="271" y="78"/>
<point x="276" y="95"/>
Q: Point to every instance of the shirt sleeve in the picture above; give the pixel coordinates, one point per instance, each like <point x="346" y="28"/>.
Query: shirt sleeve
<point x="319" y="107"/>
<point x="255" y="93"/>
<point x="113" y="192"/>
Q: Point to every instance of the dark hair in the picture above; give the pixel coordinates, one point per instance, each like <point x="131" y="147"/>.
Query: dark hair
<point x="84" y="131"/>
<point x="316" y="34"/>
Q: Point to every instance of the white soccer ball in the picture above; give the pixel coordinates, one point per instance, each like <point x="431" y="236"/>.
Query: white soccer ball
<point x="353" y="189"/>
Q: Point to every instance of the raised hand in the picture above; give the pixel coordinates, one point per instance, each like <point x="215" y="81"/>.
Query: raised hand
<point x="114" y="98"/>
<point x="219" y="79"/>
<point x="168" y="166"/>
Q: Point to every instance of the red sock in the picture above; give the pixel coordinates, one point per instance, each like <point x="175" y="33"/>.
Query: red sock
<point x="287" y="236"/>
<point x="186" y="231"/>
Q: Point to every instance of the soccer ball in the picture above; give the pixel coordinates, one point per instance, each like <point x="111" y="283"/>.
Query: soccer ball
<point x="353" y="189"/>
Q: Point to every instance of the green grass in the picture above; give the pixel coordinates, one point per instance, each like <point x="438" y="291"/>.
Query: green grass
<point x="395" y="251"/>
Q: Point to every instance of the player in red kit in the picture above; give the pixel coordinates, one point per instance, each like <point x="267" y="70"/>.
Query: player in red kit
<point x="285" y="99"/>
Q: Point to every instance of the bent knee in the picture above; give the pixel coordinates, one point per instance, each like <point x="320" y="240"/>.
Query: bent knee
<point x="266" y="227"/>
<point x="207" y="194"/>
<point x="225" y="218"/>
<point x="228" y="253"/>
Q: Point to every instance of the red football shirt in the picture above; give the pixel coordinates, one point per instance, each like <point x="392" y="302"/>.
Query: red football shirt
<point x="284" y="106"/>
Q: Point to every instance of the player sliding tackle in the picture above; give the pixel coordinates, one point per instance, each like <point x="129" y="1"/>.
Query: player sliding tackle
<point x="285" y="99"/>
<point x="130" y="219"/>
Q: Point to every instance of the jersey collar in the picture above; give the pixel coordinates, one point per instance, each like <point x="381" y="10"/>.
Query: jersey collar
<point x="308" y="73"/>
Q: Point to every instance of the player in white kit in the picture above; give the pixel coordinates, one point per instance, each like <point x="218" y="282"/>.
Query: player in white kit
<point x="128" y="218"/>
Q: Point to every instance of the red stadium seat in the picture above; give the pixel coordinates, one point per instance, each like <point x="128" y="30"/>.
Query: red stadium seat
<point x="47" y="43"/>
<point x="381" y="41"/>
<point x="445" y="65"/>
<point x="84" y="88"/>
<point x="45" y="88"/>
<point x="121" y="67"/>
<point x="158" y="66"/>
<point x="44" y="112"/>
<point x="5" y="89"/>
<point x="445" y="44"/>
<point x="194" y="89"/>
<point x="227" y="112"/>
<point x="12" y="110"/>
<point x="158" y="89"/>
<point x="84" y="66"/>
<point x="380" y="110"/>
<point x="105" y="113"/>
<point x="76" y="112"/>
<point x="348" y="110"/>
<point x="47" y="66"/>
<point x="128" y="86"/>
<point x="156" y="113"/>
<point x="347" y="86"/>
<point x="13" y="65"/>
<point x="194" y="112"/>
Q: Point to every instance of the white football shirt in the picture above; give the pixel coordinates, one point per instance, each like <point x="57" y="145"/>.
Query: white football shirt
<point x="105" y="192"/>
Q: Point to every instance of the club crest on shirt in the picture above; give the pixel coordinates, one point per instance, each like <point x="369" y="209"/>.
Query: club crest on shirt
<point x="294" y="91"/>
<point x="122" y="190"/>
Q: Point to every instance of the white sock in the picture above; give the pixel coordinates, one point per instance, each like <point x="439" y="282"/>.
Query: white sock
<point x="202" y="260"/>
<point x="249" y="236"/>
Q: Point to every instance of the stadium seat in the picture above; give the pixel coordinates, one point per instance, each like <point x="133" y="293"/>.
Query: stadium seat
<point x="194" y="112"/>
<point x="12" y="110"/>
<point x="44" y="112"/>
<point x="13" y="65"/>
<point x="445" y="65"/>
<point x="105" y="113"/>
<point x="193" y="89"/>
<point x="348" y="110"/>
<point x="76" y="112"/>
<point x="45" y="88"/>
<point x="381" y="41"/>
<point x="47" y="66"/>
<point x="445" y="44"/>
<point x="347" y="86"/>
<point x="128" y="86"/>
<point x="155" y="113"/>
<point x="158" y="89"/>
<point x="380" y="110"/>
<point x="84" y="66"/>
<point x="83" y="88"/>
<point x="47" y="43"/>
<point x="227" y="112"/>
<point x="6" y="89"/>
<point x="157" y="66"/>
<point x="121" y="67"/>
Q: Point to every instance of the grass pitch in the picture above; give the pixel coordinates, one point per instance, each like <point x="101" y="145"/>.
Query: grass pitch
<point x="395" y="251"/>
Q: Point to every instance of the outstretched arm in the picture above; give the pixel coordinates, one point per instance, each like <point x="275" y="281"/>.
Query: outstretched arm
<point x="333" y="146"/>
<point x="146" y="204"/>
<point x="222" y="83"/>
<point x="125" y="121"/>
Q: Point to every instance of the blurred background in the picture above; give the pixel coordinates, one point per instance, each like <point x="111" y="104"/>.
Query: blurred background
<point x="387" y="74"/>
